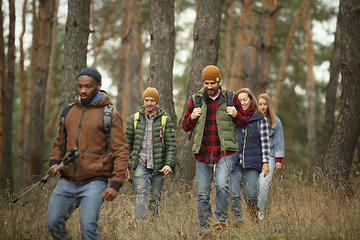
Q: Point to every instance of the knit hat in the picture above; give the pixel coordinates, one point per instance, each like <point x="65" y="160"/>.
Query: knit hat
<point x="92" y="72"/>
<point x="151" y="92"/>
<point x="211" y="72"/>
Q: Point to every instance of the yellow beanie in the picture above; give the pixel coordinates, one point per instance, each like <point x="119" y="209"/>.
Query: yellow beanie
<point x="151" y="92"/>
<point x="211" y="72"/>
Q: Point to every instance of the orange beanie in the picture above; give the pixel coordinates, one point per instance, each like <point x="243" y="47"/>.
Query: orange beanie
<point x="151" y="92"/>
<point x="211" y="72"/>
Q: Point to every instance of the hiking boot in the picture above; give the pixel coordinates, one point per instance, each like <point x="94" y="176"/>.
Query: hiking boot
<point x="220" y="227"/>
<point x="261" y="216"/>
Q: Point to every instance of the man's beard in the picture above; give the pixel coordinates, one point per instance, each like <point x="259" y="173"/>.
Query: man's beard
<point x="86" y="101"/>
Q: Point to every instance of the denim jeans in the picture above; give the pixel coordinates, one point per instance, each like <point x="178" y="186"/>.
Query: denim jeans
<point x="144" y="177"/>
<point x="264" y="184"/>
<point x="204" y="175"/>
<point x="248" y="177"/>
<point x="65" y="199"/>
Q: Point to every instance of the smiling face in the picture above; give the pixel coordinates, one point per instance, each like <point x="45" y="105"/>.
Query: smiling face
<point x="212" y="87"/>
<point x="88" y="88"/>
<point x="245" y="100"/>
<point x="150" y="105"/>
<point x="263" y="105"/>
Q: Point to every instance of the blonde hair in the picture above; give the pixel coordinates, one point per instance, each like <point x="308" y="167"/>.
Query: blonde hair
<point x="270" y="113"/>
<point x="251" y="95"/>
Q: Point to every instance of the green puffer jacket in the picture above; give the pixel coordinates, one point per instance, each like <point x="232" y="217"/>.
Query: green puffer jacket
<point x="162" y="155"/>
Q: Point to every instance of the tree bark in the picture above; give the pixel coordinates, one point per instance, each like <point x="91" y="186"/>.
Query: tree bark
<point x="340" y="154"/>
<point x="264" y="47"/>
<point x="244" y="53"/>
<point x="75" y="48"/>
<point x="205" y="52"/>
<point x="162" y="51"/>
<point x="6" y="163"/>
<point x="228" y="49"/>
<point x="331" y="95"/>
<point x="22" y="82"/>
<point x="285" y="58"/>
<point x="3" y="80"/>
<point x="129" y="84"/>
<point x="310" y="88"/>
<point x="37" y="108"/>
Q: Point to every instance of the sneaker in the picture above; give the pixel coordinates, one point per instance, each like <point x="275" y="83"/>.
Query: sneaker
<point x="220" y="227"/>
<point x="261" y="216"/>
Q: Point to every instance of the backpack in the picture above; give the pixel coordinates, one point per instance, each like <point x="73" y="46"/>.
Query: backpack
<point x="107" y="121"/>
<point x="163" y="124"/>
<point x="198" y="103"/>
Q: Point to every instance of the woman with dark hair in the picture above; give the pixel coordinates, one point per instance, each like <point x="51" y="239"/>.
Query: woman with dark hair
<point x="252" y="157"/>
<point x="276" y="136"/>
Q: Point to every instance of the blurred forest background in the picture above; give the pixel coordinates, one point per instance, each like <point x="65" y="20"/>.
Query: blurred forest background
<point x="289" y="49"/>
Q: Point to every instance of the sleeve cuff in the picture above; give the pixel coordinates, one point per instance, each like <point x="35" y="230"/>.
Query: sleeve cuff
<point x="115" y="185"/>
<point x="53" y="162"/>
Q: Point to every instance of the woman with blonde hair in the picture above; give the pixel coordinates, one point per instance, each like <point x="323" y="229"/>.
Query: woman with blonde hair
<point x="276" y="136"/>
<point x="252" y="157"/>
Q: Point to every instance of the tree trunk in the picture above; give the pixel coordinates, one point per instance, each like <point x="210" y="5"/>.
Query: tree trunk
<point x="75" y="48"/>
<point x="6" y="163"/>
<point x="244" y="53"/>
<point x="310" y="88"/>
<point x="285" y="58"/>
<point x="129" y="90"/>
<point x="331" y="96"/>
<point x="3" y="80"/>
<point x="37" y="108"/>
<point x="228" y="49"/>
<point x="205" y="52"/>
<point x="340" y="154"/>
<point x="162" y="51"/>
<point x="22" y="82"/>
<point x="264" y="47"/>
<point x="23" y="177"/>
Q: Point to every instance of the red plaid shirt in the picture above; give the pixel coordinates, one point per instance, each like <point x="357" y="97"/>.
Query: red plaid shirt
<point x="210" y="141"/>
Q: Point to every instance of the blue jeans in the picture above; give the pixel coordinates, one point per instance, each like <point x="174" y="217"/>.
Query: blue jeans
<point x="65" y="199"/>
<point x="204" y="175"/>
<point x="144" y="177"/>
<point x="264" y="184"/>
<point x="248" y="177"/>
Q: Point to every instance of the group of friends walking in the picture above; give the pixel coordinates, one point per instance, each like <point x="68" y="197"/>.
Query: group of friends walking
<point x="237" y="140"/>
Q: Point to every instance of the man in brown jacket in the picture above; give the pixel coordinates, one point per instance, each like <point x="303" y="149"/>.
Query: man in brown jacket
<point x="84" y="181"/>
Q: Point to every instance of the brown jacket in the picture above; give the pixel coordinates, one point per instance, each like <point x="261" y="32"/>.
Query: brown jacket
<point x="85" y="130"/>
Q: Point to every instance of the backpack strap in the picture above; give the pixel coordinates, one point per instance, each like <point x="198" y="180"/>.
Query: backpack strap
<point x="229" y="98"/>
<point x="63" y="115"/>
<point x="197" y="103"/>
<point x="136" y="119"/>
<point x="162" y="129"/>
<point x="107" y="121"/>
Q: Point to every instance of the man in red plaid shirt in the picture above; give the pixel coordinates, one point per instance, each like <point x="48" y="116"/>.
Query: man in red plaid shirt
<point x="215" y="143"/>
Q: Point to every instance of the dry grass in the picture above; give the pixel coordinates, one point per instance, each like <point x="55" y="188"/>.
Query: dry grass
<point x="299" y="211"/>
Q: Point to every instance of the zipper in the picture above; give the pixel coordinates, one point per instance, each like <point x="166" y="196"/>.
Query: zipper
<point x="243" y="155"/>
<point x="77" y="141"/>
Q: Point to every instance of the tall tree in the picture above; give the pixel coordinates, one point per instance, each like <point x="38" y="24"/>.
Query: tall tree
<point x="6" y="158"/>
<point x="242" y="66"/>
<point x="162" y="51"/>
<point x="340" y="154"/>
<point x="331" y="94"/>
<point x="129" y="91"/>
<point x="37" y="108"/>
<point x="75" y="49"/>
<point x="205" y="52"/>
<point x="310" y="87"/>
<point x="263" y="49"/>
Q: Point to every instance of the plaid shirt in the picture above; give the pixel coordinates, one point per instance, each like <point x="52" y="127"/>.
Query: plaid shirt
<point x="210" y="141"/>
<point x="146" y="154"/>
